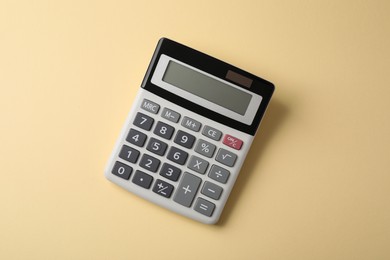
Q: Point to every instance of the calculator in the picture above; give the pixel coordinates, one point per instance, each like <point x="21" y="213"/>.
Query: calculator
<point x="188" y="131"/>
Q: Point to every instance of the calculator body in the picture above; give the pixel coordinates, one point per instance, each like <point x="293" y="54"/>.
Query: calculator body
<point x="188" y="132"/>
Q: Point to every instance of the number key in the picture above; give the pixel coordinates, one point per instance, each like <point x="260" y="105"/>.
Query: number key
<point x="170" y="172"/>
<point x="143" y="121"/>
<point x="129" y="154"/>
<point x="150" y="163"/>
<point x="178" y="156"/>
<point x="184" y="139"/>
<point x="136" y="137"/>
<point x="122" y="170"/>
<point x="164" y="130"/>
<point x="156" y="146"/>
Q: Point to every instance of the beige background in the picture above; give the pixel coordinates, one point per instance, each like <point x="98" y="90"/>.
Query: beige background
<point x="316" y="184"/>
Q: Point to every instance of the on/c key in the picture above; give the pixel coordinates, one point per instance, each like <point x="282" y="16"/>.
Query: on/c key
<point x="232" y="142"/>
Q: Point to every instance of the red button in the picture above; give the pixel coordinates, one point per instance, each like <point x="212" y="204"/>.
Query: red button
<point x="232" y="142"/>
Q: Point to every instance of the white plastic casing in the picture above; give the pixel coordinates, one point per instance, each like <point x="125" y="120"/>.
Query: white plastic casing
<point x="168" y="202"/>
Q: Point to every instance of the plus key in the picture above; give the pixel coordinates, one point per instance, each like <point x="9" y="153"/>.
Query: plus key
<point x="187" y="189"/>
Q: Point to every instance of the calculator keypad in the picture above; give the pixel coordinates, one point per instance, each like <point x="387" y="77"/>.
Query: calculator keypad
<point x="175" y="164"/>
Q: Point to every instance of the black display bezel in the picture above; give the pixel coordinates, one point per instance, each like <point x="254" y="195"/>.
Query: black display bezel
<point x="214" y="67"/>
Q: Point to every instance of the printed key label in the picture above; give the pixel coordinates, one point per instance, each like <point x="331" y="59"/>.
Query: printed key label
<point x="162" y="188"/>
<point x="232" y="142"/>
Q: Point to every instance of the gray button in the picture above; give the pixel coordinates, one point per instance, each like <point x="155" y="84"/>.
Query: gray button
<point x="191" y="124"/>
<point x="136" y="137"/>
<point x="184" y="139"/>
<point x="143" y="121"/>
<point x="122" y="170"/>
<point x="163" y="188"/>
<point x="150" y="106"/>
<point x="142" y="179"/>
<point x="170" y="115"/>
<point x="149" y="163"/>
<point x="211" y="190"/>
<point x="204" y="207"/>
<point x="212" y="133"/>
<point x="219" y="174"/>
<point x="205" y="148"/>
<point x="164" y="130"/>
<point x="198" y="164"/>
<point x="187" y="189"/>
<point x="156" y="146"/>
<point x="226" y="157"/>
<point x="129" y="154"/>
<point x="170" y="172"/>
<point x="178" y="156"/>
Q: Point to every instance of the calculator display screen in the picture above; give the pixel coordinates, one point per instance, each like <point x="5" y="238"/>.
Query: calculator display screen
<point x="206" y="87"/>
